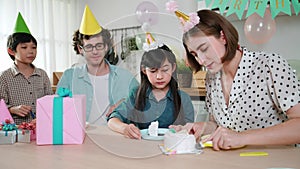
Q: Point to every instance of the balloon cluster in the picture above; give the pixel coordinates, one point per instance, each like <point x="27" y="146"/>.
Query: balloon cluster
<point x="147" y="15"/>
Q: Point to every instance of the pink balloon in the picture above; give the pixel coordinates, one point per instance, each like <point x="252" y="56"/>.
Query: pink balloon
<point x="147" y="12"/>
<point x="259" y="30"/>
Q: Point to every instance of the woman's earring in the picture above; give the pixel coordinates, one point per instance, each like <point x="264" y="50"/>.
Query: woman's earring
<point x="223" y="37"/>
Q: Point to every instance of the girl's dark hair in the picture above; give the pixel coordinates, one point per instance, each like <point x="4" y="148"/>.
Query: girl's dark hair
<point x="78" y="39"/>
<point x="16" y="38"/>
<point x="211" y="24"/>
<point x="154" y="59"/>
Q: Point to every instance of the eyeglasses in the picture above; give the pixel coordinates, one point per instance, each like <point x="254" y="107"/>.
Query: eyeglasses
<point x="89" y="48"/>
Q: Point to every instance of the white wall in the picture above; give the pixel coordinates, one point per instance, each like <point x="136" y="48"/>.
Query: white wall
<point x="121" y="13"/>
<point x="285" y="41"/>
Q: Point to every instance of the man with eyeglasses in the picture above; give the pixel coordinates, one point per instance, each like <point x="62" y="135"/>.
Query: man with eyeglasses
<point x="104" y="85"/>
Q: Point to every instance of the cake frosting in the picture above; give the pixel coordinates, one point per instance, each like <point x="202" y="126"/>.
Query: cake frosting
<point x="180" y="142"/>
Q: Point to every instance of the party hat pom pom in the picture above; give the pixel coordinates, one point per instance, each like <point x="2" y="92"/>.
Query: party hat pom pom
<point x="171" y="6"/>
<point x="194" y="18"/>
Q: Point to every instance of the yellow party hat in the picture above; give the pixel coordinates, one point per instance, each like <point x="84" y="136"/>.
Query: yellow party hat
<point x="89" y="24"/>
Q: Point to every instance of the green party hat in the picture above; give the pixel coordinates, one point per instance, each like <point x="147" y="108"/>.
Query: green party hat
<point x="20" y="26"/>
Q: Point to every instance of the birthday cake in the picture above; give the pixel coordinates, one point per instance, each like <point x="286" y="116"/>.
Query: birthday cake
<point x="179" y="143"/>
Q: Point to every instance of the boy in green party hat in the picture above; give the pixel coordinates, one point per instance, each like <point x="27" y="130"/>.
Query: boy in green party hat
<point x="23" y="83"/>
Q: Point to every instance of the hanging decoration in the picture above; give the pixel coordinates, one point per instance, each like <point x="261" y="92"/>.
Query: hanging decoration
<point x="254" y="6"/>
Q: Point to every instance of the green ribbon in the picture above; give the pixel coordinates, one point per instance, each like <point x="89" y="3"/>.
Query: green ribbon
<point x="57" y="124"/>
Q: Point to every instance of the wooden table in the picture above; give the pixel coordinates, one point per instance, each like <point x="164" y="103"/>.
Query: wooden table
<point x="105" y="149"/>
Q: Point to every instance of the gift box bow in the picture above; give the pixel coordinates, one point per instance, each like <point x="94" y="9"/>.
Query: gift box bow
<point x="27" y="126"/>
<point x="7" y="125"/>
<point x="63" y="92"/>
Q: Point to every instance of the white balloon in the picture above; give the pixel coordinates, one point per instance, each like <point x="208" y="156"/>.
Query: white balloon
<point x="146" y="27"/>
<point x="146" y="11"/>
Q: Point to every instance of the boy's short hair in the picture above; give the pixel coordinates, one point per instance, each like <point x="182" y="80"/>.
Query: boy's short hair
<point x="16" y="38"/>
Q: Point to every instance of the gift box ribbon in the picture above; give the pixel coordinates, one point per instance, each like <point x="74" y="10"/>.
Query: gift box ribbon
<point x="57" y="126"/>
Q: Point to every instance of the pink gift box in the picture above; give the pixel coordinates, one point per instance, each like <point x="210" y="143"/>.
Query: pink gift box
<point x="74" y="117"/>
<point x="4" y="113"/>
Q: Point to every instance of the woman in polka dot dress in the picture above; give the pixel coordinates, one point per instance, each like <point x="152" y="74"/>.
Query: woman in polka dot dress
<point x="252" y="97"/>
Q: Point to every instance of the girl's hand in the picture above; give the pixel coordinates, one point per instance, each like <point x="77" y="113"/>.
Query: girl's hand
<point x="131" y="131"/>
<point x="21" y="110"/>
<point x="226" y="139"/>
<point x="112" y="108"/>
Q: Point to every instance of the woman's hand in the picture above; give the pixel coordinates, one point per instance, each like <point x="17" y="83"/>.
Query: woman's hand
<point x="176" y="127"/>
<point x="21" y="110"/>
<point x="131" y="131"/>
<point x="226" y="139"/>
<point x="196" y="129"/>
